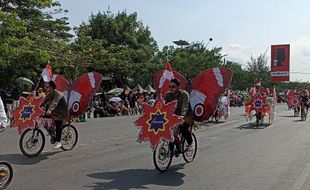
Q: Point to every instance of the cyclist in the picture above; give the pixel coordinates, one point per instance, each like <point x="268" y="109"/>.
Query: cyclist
<point x="182" y="110"/>
<point x="56" y="108"/>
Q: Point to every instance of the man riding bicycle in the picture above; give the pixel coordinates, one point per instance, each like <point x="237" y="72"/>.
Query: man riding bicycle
<point x="56" y="108"/>
<point x="182" y="110"/>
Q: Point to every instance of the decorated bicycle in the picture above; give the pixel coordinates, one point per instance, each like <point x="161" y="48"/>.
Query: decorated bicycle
<point x="293" y="101"/>
<point x="261" y="103"/>
<point x="30" y="118"/>
<point x="166" y="125"/>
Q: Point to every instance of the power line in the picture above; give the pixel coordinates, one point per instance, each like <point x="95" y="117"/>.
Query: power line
<point x="296" y="72"/>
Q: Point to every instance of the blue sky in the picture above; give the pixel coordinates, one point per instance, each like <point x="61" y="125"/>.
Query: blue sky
<point x="242" y="27"/>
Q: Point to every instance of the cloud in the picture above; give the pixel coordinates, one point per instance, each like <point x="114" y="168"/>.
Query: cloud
<point x="299" y="56"/>
<point x="237" y="52"/>
<point x="300" y="59"/>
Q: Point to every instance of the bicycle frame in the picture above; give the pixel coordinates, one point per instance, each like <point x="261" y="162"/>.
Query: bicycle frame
<point x="47" y="124"/>
<point x="177" y="135"/>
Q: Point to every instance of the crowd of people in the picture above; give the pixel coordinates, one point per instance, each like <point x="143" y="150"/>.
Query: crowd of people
<point x="127" y="103"/>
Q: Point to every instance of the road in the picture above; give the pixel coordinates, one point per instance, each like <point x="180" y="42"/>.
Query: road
<point x="232" y="156"/>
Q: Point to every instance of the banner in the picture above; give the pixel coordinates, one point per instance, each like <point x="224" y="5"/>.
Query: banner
<point x="280" y="63"/>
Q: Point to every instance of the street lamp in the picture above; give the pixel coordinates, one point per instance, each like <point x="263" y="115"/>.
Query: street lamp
<point x="181" y="43"/>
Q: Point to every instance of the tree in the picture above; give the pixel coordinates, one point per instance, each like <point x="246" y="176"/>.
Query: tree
<point x="122" y="46"/>
<point x="191" y="60"/>
<point x="259" y="69"/>
<point x="29" y="38"/>
<point x="242" y="79"/>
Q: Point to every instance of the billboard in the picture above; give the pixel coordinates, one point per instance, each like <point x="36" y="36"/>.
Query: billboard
<point x="280" y="63"/>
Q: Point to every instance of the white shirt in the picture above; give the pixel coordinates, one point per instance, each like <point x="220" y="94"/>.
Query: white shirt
<point x="3" y="117"/>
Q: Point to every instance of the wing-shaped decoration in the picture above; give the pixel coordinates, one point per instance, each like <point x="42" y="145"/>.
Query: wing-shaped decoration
<point x="207" y="88"/>
<point x="157" y="75"/>
<point x="81" y="92"/>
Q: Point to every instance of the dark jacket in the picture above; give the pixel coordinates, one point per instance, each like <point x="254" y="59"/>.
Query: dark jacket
<point x="57" y="105"/>
<point x="183" y="105"/>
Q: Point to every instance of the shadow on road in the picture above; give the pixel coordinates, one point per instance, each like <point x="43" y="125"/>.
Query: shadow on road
<point x="218" y="122"/>
<point x="20" y="159"/>
<point x="253" y="126"/>
<point x="287" y="116"/>
<point x="138" y="178"/>
<point x="298" y="120"/>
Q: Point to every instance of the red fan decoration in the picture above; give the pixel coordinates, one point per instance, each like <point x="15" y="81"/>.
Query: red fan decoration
<point x="205" y="90"/>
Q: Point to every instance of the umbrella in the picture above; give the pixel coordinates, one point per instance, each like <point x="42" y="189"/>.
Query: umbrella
<point x="127" y="87"/>
<point x="138" y="87"/>
<point x="23" y="80"/>
<point x="116" y="91"/>
<point x="150" y="89"/>
<point x="115" y="99"/>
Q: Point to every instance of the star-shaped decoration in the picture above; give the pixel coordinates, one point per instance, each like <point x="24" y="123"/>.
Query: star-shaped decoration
<point x="295" y="101"/>
<point x="26" y="114"/>
<point x="157" y="122"/>
<point x="258" y="102"/>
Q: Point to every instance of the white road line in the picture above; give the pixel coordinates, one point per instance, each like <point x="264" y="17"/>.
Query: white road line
<point x="299" y="183"/>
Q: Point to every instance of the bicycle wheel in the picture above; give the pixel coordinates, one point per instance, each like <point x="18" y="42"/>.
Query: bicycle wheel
<point x="69" y="137"/>
<point x="162" y="155"/>
<point x="6" y="174"/>
<point x="189" y="156"/>
<point x="32" y="142"/>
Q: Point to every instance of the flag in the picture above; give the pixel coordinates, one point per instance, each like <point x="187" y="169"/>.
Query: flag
<point x="165" y="79"/>
<point x="47" y="73"/>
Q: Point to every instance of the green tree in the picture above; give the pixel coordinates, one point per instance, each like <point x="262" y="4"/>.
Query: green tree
<point x="191" y="60"/>
<point x="242" y="79"/>
<point x="29" y="37"/>
<point x="259" y="68"/>
<point x="122" y="46"/>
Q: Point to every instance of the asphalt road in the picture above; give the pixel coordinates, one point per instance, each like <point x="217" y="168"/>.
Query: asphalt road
<point x="232" y="156"/>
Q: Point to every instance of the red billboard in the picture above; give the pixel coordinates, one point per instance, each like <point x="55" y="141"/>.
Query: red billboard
<point x="280" y="63"/>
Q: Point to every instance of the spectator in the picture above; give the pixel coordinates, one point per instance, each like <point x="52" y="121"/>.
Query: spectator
<point x="132" y="104"/>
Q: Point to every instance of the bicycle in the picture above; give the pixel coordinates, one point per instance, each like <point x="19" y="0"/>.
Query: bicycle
<point x="32" y="141"/>
<point x="164" y="152"/>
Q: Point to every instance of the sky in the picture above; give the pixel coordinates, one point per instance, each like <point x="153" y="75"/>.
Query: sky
<point x="241" y="27"/>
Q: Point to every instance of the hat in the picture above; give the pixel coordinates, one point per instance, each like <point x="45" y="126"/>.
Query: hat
<point x="52" y="84"/>
<point x="175" y="81"/>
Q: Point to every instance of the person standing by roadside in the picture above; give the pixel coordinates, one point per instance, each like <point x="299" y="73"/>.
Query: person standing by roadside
<point x="3" y="117"/>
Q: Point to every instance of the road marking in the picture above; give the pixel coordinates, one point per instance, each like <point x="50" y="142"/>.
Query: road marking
<point x="299" y="183"/>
